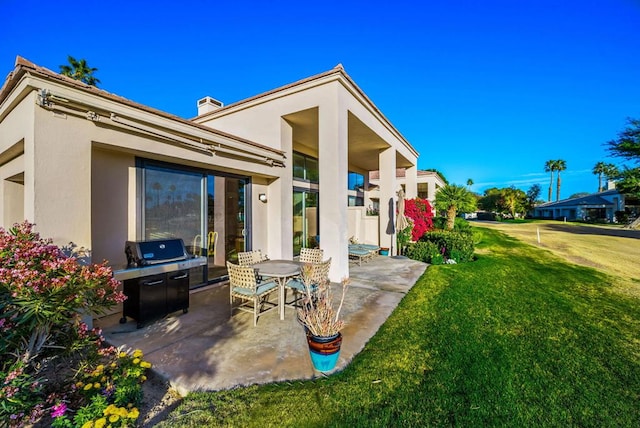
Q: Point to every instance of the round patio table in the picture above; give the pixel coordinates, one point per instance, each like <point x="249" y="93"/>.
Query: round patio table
<point x="281" y="271"/>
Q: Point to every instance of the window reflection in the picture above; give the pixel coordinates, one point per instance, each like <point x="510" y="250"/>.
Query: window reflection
<point x="173" y="205"/>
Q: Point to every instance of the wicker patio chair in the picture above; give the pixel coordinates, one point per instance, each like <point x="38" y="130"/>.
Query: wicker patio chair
<point x="311" y="255"/>
<point x="249" y="258"/>
<point x="319" y="274"/>
<point x="254" y="295"/>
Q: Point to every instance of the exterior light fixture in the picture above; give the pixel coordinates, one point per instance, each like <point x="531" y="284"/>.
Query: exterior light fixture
<point x="262" y="197"/>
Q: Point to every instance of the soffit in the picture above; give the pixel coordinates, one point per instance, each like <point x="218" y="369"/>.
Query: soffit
<point x="364" y="145"/>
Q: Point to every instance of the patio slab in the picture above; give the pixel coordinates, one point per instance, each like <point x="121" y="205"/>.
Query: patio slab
<point x="206" y="350"/>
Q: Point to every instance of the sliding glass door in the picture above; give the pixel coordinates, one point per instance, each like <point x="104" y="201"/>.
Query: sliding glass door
<point x="226" y="221"/>
<point x="305" y="220"/>
<point x="206" y="210"/>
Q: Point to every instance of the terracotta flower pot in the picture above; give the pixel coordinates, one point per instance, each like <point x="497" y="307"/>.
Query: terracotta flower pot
<point x="324" y="351"/>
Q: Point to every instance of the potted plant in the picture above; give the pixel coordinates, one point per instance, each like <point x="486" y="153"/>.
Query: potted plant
<point x="321" y="320"/>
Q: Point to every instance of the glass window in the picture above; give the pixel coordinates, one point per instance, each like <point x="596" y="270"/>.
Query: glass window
<point x="355" y="201"/>
<point x="356" y="182"/>
<point x="298" y="166"/>
<point x="173" y="205"/>
<point x="423" y="190"/>
<point x="312" y="170"/>
<point x="305" y="168"/>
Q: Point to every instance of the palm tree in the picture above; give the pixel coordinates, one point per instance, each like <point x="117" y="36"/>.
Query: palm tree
<point x="599" y="170"/>
<point x="611" y="171"/>
<point x="469" y="183"/>
<point x="560" y="166"/>
<point x="79" y="70"/>
<point x="550" y="166"/>
<point x="453" y="198"/>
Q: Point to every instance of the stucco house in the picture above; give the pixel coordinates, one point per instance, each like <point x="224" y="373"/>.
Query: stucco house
<point x="271" y="172"/>
<point x="601" y="206"/>
<point x="427" y="182"/>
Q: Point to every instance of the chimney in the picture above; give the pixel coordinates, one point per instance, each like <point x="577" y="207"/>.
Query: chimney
<point x="208" y="104"/>
<point x="611" y="184"/>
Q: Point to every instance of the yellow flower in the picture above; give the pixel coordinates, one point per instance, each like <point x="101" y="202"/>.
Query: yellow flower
<point x="143" y="378"/>
<point x="136" y="360"/>
<point x="100" y="423"/>
<point x="114" y="418"/>
<point x="79" y="384"/>
<point x="122" y="354"/>
<point x="130" y="405"/>
<point x="88" y="386"/>
<point x="96" y="385"/>
<point x="137" y="353"/>
<point x="113" y="365"/>
<point x="100" y="368"/>
<point x="109" y="409"/>
<point x="88" y="424"/>
<point x="134" y="413"/>
<point x="145" y="364"/>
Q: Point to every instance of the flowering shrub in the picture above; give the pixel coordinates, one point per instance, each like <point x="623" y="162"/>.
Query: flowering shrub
<point x="420" y="212"/>
<point x="452" y="245"/>
<point x="105" y="394"/>
<point x="41" y="334"/>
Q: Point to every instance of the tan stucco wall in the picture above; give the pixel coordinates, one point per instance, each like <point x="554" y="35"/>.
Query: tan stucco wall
<point x="16" y="137"/>
<point x="333" y="102"/>
<point x="80" y="181"/>
<point x="110" y="209"/>
<point x="62" y="178"/>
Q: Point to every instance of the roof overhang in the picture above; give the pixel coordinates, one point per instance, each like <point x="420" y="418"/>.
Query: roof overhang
<point x="337" y="74"/>
<point x="63" y="94"/>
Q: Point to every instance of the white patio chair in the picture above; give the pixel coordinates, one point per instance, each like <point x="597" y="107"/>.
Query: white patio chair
<point x="253" y="294"/>
<point x="249" y="258"/>
<point x="311" y="255"/>
<point x="319" y="274"/>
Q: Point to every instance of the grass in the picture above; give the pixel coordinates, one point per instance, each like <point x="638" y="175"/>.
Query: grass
<point x="607" y="248"/>
<point x="518" y="338"/>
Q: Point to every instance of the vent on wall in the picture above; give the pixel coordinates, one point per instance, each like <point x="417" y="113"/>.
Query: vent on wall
<point x="207" y="104"/>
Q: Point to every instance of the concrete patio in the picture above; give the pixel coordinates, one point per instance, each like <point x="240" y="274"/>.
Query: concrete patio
<point x="206" y="350"/>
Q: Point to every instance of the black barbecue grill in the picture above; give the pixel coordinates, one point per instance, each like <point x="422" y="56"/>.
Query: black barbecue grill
<point x="156" y="280"/>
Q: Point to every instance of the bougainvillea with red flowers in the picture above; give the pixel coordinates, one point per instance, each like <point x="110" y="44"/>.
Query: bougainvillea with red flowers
<point x="420" y="212"/>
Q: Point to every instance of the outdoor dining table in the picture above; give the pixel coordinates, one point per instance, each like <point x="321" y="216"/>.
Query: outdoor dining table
<point x="281" y="271"/>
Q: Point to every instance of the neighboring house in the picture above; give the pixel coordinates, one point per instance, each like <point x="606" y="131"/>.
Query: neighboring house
<point x="427" y="182"/>
<point x="600" y="206"/>
<point x="271" y="172"/>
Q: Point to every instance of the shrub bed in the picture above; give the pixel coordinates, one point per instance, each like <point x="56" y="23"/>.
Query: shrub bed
<point x="54" y="370"/>
<point x="457" y="246"/>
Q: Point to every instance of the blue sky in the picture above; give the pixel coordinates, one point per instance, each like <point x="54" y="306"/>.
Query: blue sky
<point x="487" y="90"/>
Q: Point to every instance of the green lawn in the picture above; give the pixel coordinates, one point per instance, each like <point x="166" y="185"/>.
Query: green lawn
<point x="517" y="338"/>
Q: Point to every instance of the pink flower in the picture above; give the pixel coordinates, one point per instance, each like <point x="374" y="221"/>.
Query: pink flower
<point x="58" y="410"/>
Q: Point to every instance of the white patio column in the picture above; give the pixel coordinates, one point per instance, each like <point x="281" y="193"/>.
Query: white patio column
<point x="388" y="188"/>
<point x="332" y="165"/>
<point x="411" y="182"/>
<point x="431" y="190"/>
<point x="279" y="223"/>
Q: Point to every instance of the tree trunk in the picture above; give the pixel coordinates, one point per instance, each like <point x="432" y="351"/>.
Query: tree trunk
<point x="599" y="183"/>
<point x="451" y="218"/>
<point x="558" y="192"/>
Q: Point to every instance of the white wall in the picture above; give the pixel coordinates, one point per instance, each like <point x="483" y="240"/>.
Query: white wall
<point x="362" y="227"/>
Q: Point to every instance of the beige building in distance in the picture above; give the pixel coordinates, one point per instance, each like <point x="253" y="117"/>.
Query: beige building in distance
<point x="273" y="172"/>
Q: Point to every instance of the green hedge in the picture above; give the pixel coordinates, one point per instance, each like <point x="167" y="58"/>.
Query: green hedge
<point x="423" y="252"/>
<point x="451" y="245"/>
